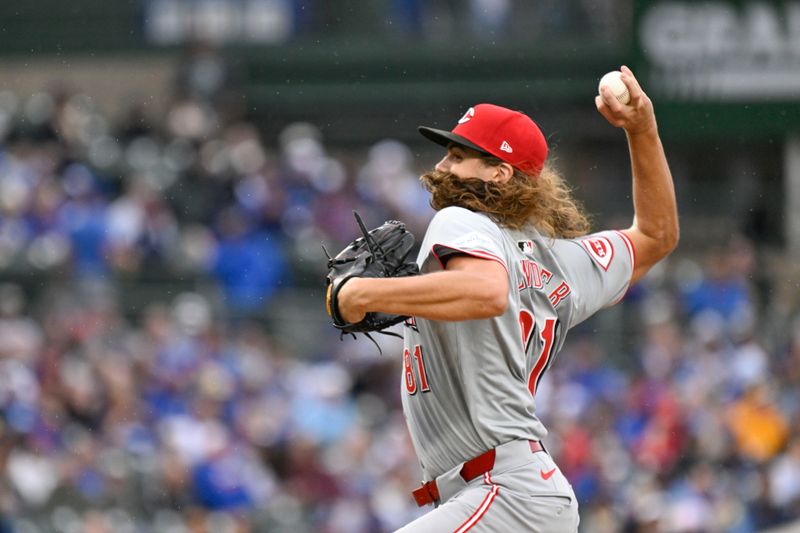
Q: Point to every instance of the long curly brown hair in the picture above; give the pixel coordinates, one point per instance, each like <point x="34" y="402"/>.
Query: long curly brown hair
<point x="545" y="201"/>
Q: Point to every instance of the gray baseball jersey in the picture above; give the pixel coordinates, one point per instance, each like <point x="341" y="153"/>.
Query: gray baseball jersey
<point x="469" y="386"/>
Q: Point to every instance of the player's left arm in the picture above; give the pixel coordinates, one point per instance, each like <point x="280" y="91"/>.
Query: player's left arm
<point x="655" y="231"/>
<point x="469" y="288"/>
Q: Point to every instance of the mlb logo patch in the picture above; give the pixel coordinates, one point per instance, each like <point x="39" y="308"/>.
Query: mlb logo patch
<point x="526" y="247"/>
<point x="601" y="250"/>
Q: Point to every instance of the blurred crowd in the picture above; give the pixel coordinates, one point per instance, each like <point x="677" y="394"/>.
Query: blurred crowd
<point x="185" y="414"/>
<point x="196" y="192"/>
<point x="189" y="416"/>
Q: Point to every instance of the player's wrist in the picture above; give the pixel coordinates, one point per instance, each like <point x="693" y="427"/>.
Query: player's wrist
<point x="645" y="130"/>
<point x="352" y="305"/>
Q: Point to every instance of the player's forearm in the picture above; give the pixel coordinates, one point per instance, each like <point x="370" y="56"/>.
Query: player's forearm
<point x="447" y="296"/>
<point x="656" y="214"/>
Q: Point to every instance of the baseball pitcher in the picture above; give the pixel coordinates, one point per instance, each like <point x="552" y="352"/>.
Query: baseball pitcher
<point x="506" y="268"/>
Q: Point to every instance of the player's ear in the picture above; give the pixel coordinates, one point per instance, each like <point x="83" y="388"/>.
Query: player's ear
<point x="503" y="172"/>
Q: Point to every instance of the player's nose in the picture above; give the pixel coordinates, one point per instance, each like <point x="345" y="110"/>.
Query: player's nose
<point x="443" y="165"/>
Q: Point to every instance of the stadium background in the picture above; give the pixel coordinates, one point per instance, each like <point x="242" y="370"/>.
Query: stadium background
<point x="169" y="169"/>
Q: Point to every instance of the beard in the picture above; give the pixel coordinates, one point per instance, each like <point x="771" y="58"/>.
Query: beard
<point x="474" y="194"/>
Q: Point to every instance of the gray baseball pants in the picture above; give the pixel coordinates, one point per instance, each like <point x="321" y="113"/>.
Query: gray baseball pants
<point x="524" y="492"/>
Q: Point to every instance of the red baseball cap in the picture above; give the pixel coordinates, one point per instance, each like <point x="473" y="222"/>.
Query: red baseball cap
<point x="508" y="135"/>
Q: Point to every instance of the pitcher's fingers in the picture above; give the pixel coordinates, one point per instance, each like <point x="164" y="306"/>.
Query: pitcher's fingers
<point x="611" y="100"/>
<point x="631" y="83"/>
<point x="599" y="103"/>
<point x="629" y="73"/>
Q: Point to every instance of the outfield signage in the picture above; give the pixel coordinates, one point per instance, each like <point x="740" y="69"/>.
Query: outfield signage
<point x="722" y="51"/>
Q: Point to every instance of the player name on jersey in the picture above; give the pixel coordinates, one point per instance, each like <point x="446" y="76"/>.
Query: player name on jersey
<point x="537" y="277"/>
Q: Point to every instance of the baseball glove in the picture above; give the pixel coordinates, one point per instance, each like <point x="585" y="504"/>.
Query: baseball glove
<point x="380" y="253"/>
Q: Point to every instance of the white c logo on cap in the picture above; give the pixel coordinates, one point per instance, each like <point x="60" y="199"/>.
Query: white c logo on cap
<point x="468" y="115"/>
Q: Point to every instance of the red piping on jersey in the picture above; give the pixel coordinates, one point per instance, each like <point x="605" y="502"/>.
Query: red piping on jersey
<point x="632" y="255"/>
<point x="473" y="253"/>
<point x="629" y="246"/>
<point x="482" y="508"/>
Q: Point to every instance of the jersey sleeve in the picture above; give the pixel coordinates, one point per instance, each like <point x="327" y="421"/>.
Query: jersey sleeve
<point x="456" y="231"/>
<point x="598" y="268"/>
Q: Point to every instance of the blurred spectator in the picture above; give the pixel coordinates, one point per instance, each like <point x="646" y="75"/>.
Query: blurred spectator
<point x="759" y="428"/>
<point x="82" y="217"/>
<point x="249" y="264"/>
<point x="204" y="73"/>
<point x="141" y="230"/>
<point x="727" y="287"/>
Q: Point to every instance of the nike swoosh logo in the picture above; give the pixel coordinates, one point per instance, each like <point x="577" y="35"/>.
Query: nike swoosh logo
<point x="546" y="475"/>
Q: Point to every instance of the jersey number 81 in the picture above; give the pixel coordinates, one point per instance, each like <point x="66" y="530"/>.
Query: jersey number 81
<point x="410" y="381"/>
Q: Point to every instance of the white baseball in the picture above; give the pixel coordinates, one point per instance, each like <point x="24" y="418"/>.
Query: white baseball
<point x="613" y="81"/>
